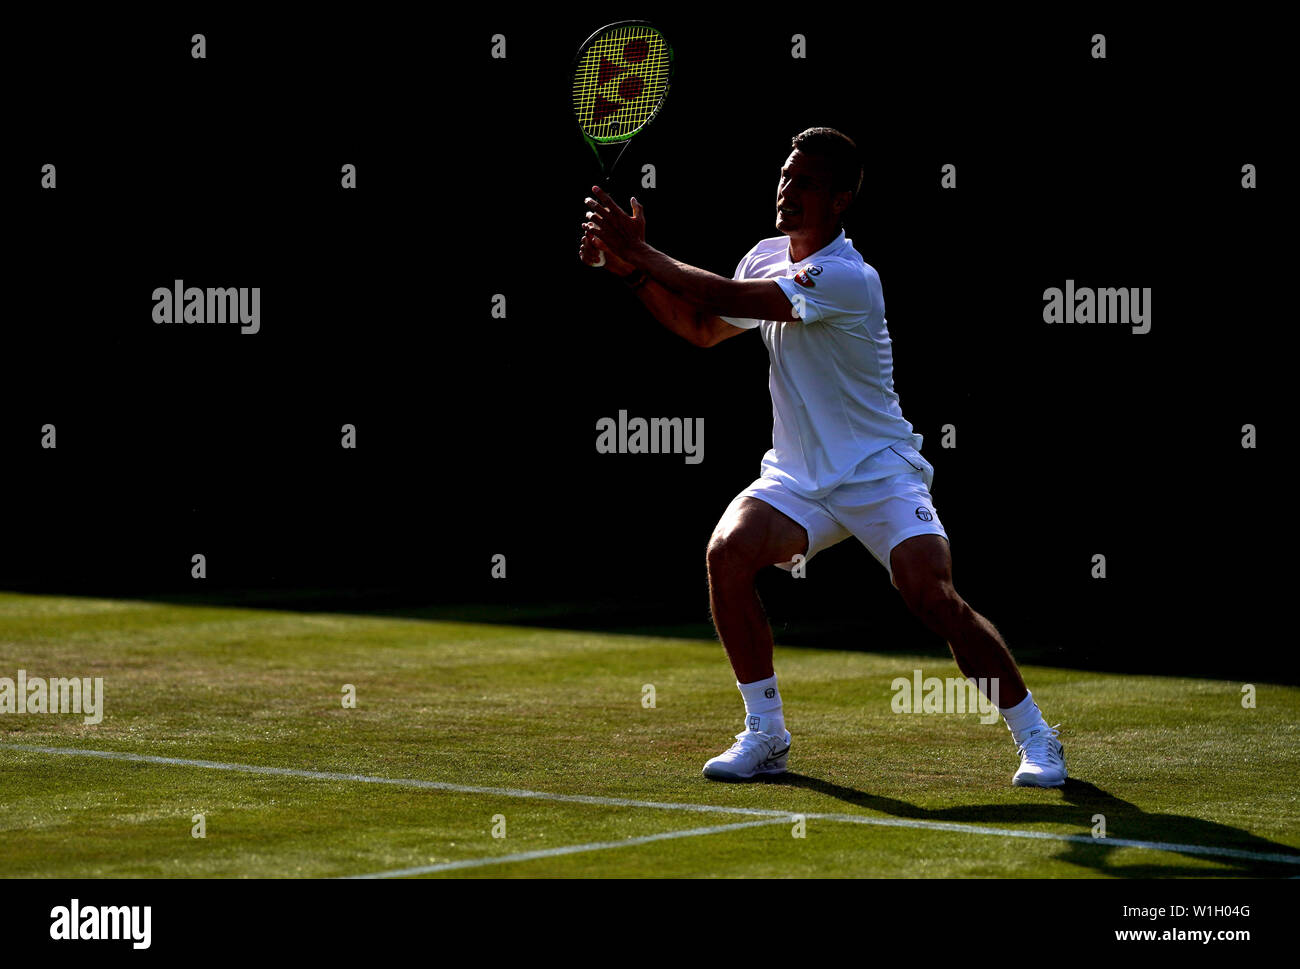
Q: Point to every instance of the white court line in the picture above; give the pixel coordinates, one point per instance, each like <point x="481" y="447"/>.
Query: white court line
<point x="1209" y="850"/>
<point x="573" y="849"/>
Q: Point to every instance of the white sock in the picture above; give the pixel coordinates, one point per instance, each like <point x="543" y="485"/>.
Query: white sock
<point x="763" y="706"/>
<point x="1023" y="718"/>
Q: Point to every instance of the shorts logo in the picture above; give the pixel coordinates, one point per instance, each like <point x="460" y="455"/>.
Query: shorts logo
<point x="924" y="514"/>
<point x="804" y="277"/>
<point x="769" y="693"/>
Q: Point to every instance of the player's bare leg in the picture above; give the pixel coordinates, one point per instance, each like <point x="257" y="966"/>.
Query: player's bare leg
<point x="922" y="567"/>
<point x="750" y="535"/>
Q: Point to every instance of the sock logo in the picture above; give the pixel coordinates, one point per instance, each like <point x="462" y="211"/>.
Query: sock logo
<point x="769" y="693"/>
<point x="753" y="723"/>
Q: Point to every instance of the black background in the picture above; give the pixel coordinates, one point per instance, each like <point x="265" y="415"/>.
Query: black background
<point x="476" y="435"/>
<point x="240" y="914"/>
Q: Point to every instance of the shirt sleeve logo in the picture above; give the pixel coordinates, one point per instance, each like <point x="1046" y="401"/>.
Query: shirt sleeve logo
<point x="804" y="277"/>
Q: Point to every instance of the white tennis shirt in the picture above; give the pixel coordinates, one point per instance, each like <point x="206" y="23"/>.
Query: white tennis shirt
<point x="835" y="415"/>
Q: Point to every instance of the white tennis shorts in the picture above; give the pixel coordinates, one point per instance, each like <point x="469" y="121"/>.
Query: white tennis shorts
<point x="879" y="513"/>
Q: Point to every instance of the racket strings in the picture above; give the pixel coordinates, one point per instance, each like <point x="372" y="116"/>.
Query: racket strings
<point x="620" y="81"/>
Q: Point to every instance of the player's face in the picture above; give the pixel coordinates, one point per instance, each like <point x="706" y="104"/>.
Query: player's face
<point x="805" y="204"/>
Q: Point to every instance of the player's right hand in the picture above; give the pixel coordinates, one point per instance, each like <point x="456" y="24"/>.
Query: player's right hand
<point x="590" y="256"/>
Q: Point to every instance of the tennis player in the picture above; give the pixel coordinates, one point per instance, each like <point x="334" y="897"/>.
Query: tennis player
<point x="843" y="462"/>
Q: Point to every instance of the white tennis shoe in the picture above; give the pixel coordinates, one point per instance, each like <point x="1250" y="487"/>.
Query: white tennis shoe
<point x="753" y="753"/>
<point x="1042" y="760"/>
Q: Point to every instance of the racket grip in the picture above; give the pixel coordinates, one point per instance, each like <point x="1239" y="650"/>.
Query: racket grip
<point x="605" y="183"/>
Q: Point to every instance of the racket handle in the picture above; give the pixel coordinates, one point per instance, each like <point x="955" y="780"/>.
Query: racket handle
<point x="606" y="182"/>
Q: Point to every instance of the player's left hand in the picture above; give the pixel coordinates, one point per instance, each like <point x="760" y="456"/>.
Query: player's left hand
<point x="611" y="229"/>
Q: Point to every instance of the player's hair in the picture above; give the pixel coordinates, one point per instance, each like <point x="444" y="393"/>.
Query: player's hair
<point x="838" y="149"/>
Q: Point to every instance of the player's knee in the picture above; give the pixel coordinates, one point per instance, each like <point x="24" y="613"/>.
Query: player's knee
<point x="730" y="555"/>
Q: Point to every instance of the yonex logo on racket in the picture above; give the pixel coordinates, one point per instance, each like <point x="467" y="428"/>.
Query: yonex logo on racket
<point x="634" y="52"/>
<point x="620" y="78"/>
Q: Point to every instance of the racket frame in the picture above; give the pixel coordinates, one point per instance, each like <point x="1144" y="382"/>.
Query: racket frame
<point x="599" y="145"/>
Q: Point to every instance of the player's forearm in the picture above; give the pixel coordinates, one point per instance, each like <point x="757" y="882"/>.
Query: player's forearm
<point x="673" y="311"/>
<point x="697" y="286"/>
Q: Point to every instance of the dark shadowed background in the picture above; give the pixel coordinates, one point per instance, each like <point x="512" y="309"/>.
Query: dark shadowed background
<point x="476" y="436"/>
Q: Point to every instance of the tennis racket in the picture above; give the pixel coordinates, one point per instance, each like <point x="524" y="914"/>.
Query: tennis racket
<point x="620" y="79"/>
